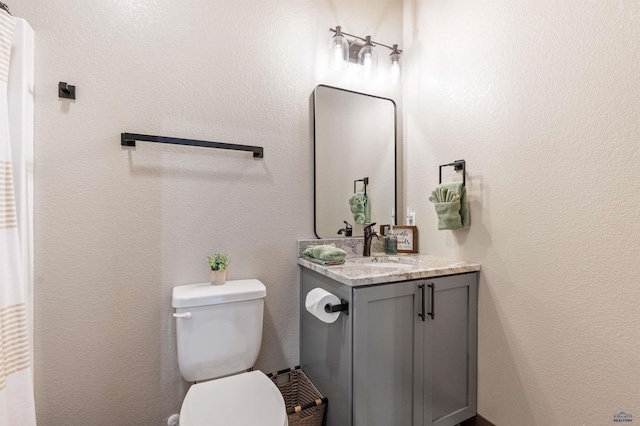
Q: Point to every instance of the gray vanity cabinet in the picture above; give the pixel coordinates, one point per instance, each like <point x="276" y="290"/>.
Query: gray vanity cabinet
<point x="410" y="368"/>
<point x="388" y="362"/>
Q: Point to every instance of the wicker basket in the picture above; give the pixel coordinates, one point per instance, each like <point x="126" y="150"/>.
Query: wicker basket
<point x="305" y="404"/>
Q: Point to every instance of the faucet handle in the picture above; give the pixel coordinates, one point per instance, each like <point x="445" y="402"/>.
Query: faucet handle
<point x="348" y="229"/>
<point x="369" y="227"/>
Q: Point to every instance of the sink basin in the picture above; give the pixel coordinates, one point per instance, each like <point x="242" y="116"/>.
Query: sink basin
<point x="391" y="262"/>
<point x="394" y="265"/>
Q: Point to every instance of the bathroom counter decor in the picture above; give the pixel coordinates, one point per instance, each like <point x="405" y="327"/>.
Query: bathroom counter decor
<point x="407" y="237"/>
<point x="380" y="269"/>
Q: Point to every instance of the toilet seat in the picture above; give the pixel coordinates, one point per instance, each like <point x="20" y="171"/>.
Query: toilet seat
<point x="247" y="399"/>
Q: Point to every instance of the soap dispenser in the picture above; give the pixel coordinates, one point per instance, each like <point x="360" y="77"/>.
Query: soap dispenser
<point x="390" y="240"/>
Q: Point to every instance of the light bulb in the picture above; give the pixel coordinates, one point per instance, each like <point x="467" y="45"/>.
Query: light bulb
<point x="368" y="59"/>
<point x="339" y="51"/>
<point x="395" y="74"/>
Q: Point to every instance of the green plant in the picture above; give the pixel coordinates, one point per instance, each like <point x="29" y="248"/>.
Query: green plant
<point x="219" y="261"/>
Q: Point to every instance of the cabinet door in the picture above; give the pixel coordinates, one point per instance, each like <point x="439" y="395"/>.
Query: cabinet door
<point x="385" y="322"/>
<point x="450" y="349"/>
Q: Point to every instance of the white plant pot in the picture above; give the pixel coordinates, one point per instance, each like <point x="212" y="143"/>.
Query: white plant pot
<point x="218" y="277"/>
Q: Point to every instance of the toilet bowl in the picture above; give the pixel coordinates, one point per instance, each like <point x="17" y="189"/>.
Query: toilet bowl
<point x="219" y="334"/>
<point x="243" y="400"/>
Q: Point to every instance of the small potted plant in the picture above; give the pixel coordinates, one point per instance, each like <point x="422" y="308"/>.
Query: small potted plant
<point x="218" y="263"/>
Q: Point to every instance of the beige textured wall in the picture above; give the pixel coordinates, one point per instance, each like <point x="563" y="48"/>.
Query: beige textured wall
<point x="542" y="98"/>
<point x="117" y="229"/>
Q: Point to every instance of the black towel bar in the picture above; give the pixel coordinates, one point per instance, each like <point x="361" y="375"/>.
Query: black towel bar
<point x="457" y="166"/>
<point x="129" y="139"/>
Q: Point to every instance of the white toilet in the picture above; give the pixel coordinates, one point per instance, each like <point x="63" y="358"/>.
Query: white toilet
<point x="219" y="333"/>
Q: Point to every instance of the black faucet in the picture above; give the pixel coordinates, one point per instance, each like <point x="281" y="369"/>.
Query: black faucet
<point x="348" y="229"/>
<point x="369" y="233"/>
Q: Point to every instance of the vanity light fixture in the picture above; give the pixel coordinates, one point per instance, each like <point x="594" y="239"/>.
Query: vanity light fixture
<point x="362" y="51"/>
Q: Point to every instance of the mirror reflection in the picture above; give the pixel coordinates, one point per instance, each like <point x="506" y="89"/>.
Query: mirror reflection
<point x="355" y="160"/>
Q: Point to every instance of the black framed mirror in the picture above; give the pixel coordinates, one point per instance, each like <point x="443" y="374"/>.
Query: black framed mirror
<point x="355" y="137"/>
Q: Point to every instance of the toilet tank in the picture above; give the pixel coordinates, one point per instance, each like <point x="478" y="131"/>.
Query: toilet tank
<point x="218" y="327"/>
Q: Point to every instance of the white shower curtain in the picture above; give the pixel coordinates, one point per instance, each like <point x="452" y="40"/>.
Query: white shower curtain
<point x="16" y="378"/>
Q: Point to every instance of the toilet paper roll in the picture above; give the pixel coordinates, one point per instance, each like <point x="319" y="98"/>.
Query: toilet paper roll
<point x="315" y="302"/>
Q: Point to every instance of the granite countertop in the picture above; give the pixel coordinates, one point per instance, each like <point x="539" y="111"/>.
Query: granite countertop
<point x="380" y="268"/>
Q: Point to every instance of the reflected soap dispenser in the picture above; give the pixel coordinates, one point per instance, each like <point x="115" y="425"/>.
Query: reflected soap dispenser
<point x="390" y="240"/>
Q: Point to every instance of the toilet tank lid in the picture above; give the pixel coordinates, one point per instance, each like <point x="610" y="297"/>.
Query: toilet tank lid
<point x="203" y="294"/>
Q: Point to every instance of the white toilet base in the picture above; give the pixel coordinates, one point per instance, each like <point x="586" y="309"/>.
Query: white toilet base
<point x="173" y="420"/>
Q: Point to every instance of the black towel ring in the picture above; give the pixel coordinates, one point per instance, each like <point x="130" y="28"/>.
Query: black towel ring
<point x="366" y="182"/>
<point x="457" y="166"/>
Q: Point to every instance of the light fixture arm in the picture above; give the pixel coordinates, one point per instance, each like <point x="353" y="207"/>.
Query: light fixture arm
<point x="364" y="39"/>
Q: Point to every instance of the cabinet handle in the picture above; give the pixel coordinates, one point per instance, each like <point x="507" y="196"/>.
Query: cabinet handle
<point x="421" y="314"/>
<point x="432" y="314"/>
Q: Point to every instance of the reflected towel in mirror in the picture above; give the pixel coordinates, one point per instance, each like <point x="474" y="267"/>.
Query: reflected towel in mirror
<point x="360" y="208"/>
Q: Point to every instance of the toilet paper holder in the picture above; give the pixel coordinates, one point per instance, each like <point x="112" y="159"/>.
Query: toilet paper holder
<point x="342" y="307"/>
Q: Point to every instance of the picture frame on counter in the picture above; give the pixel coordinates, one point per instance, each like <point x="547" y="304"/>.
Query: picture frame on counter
<point x="407" y="237"/>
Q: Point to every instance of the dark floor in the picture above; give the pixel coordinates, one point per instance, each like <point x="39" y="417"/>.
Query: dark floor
<point x="477" y="421"/>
